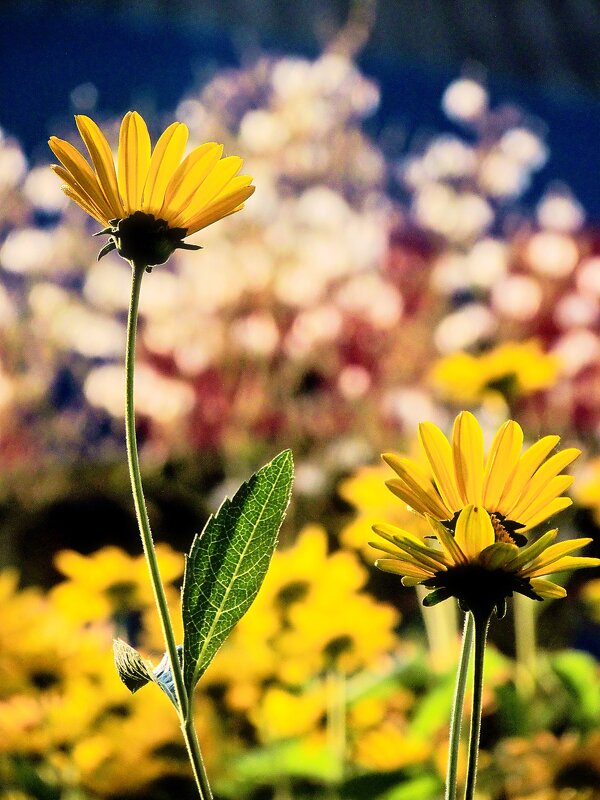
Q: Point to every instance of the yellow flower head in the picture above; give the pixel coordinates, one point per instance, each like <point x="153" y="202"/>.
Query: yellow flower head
<point x="518" y="490"/>
<point x="515" y="369"/>
<point x="476" y="565"/>
<point x="154" y="199"/>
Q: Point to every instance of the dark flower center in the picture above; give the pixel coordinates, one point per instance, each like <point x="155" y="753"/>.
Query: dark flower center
<point x="477" y="588"/>
<point x="144" y="240"/>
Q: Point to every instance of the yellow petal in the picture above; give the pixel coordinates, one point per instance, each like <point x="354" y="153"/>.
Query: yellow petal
<point x="385" y="548"/>
<point x="501" y="462"/>
<point x="104" y="164"/>
<point x="394" y="534"/>
<point x="554" y="507"/>
<point x="228" y="198"/>
<point x="82" y="173"/>
<point x="165" y="159"/>
<point x="408" y="582"/>
<point x="187" y="179"/>
<point x="474" y="531"/>
<point x="223" y="208"/>
<point x="548" y="589"/>
<point x="555" y="552"/>
<point x="398" y="567"/>
<point x="439" y="454"/>
<point x="419" y="484"/>
<point x="498" y="555"/>
<point x="209" y="190"/>
<point x="467" y="448"/>
<point x="532" y="551"/>
<point x="134" y="160"/>
<point x="74" y="191"/>
<point x="565" y="564"/>
<point x="538" y="482"/>
<point x="527" y="465"/>
<point x="448" y="542"/>
<point x="399" y="488"/>
<point x="411" y="547"/>
<point x="534" y="503"/>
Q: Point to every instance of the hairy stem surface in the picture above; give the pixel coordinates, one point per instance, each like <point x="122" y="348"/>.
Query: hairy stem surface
<point x="185" y="707"/>
<point x="457" y="709"/>
<point x="481" y="624"/>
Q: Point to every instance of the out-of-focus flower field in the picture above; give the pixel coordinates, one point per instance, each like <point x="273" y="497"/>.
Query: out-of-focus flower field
<point x="354" y="297"/>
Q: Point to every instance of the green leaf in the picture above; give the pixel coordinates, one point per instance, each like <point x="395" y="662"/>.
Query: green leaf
<point x="228" y="562"/>
<point x="291" y="758"/>
<point x="424" y="787"/>
<point x="578" y="672"/>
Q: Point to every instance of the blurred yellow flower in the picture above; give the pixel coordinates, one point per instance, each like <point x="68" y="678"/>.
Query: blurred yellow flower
<point x="519" y="491"/>
<point x="476" y="564"/>
<point x="300" y="625"/>
<point x="590" y="594"/>
<point x="587" y="489"/>
<point x="122" y="752"/>
<point x="109" y="582"/>
<point x="154" y="199"/>
<point x="283" y="714"/>
<point x="388" y="747"/>
<point x="335" y="627"/>
<point x="548" y="767"/>
<point x="514" y="369"/>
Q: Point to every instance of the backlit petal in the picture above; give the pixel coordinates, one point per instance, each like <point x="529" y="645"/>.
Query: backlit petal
<point x="556" y="551"/>
<point x="104" y="164"/>
<point x="554" y="507"/>
<point x="448" y="542"/>
<point x="222" y="208"/>
<point x="497" y="555"/>
<point x="531" y="551"/>
<point x="82" y="173"/>
<point x="439" y="454"/>
<point x="398" y="567"/>
<point x="566" y="564"/>
<point x="474" y="531"/>
<point x="548" y="589"/>
<point x="467" y="449"/>
<point x="539" y="481"/>
<point x="501" y="462"/>
<point x="420" y="485"/>
<point x="165" y="159"/>
<point x="187" y="179"/>
<point x="209" y="189"/>
<point x="527" y="465"/>
<point x="79" y="195"/>
<point x="532" y="504"/>
<point x="134" y="160"/>
<point x="83" y="202"/>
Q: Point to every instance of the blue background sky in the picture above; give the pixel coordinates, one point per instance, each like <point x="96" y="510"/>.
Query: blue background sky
<point x="137" y="56"/>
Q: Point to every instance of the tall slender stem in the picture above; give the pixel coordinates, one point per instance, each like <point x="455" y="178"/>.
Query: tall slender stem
<point x="457" y="709"/>
<point x="482" y="621"/>
<point x="184" y="702"/>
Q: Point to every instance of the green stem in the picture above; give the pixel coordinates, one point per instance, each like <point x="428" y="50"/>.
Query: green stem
<point x="482" y="621"/>
<point x="184" y="704"/>
<point x="457" y="709"/>
<point x="193" y="747"/>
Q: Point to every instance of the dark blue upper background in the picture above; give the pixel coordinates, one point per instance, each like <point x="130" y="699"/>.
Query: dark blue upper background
<point x="149" y="62"/>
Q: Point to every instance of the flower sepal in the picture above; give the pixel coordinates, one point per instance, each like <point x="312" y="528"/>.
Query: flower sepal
<point x="142" y="239"/>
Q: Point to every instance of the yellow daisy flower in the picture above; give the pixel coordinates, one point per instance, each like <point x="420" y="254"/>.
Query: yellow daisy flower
<point x="473" y="566"/>
<point x="519" y="490"/>
<point x="515" y="369"/>
<point x="153" y="200"/>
